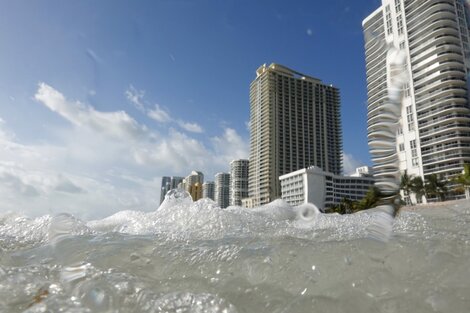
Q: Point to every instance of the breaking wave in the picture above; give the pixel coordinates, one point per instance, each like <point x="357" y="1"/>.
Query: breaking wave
<point x="195" y="257"/>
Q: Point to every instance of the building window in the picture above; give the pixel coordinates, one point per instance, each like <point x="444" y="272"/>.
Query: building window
<point x="401" y="147"/>
<point x="409" y="118"/>
<point x="406" y="90"/>
<point x="402" y="45"/>
<point x="399" y="25"/>
<point x="414" y="152"/>
<point x="397" y="6"/>
<point x="388" y="18"/>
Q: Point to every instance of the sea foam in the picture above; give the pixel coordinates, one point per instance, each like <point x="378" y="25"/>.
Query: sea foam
<point x="196" y="257"/>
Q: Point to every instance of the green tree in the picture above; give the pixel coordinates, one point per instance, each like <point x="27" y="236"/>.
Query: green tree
<point x="464" y="180"/>
<point x="406" y="185"/>
<point x="348" y="205"/>
<point x="436" y="187"/>
<point x="370" y="200"/>
<point x="418" y="188"/>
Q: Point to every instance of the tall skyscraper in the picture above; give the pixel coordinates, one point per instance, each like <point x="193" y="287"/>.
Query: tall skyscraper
<point x="294" y="123"/>
<point x="222" y="189"/>
<point x="418" y="52"/>
<point x="208" y="190"/>
<point x="238" y="181"/>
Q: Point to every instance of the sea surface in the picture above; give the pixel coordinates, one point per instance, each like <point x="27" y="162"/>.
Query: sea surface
<point x="195" y="257"/>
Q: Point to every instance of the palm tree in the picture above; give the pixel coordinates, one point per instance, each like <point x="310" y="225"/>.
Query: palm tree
<point x="436" y="187"/>
<point x="406" y="185"/>
<point x="348" y="205"/>
<point x="417" y="187"/>
<point x="464" y="180"/>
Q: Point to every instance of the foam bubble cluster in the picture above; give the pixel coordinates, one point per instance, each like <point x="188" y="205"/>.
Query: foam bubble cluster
<point x="196" y="257"/>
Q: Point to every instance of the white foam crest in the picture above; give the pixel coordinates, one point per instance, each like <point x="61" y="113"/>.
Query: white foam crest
<point x="65" y="225"/>
<point x="18" y="231"/>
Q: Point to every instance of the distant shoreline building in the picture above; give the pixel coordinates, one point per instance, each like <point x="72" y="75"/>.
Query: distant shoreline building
<point x="165" y="187"/>
<point x="325" y="190"/>
<point x="238" y="181"/>
<point x="193" y="184"/>
<point x="169" y="183"/>
<point x="208" y="190"/>
<point x="294" y="123"/>
<point x="427" y="43"/>
<point x="195" y="190"/>
<point x="222" y="189"/>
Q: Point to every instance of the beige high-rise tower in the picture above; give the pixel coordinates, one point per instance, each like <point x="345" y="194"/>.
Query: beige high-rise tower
<point x="294" y="123"/>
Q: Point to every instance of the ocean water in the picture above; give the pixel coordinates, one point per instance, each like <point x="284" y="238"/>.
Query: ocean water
<point x="195" y="257"/>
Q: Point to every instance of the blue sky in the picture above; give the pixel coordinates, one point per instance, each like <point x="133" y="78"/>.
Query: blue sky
<point x="99" y="99"/>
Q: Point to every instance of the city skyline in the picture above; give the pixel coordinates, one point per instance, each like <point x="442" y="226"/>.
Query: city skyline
<point x="98" y="104"/>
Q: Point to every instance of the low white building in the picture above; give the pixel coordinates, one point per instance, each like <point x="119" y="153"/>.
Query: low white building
<point x="324" y="189"/>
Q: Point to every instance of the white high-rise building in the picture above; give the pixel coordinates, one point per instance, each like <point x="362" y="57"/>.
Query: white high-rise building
<point x="294" y="123"/>
<point x="238" y="181"/>
<point x="222" y="189"/>
<point x="208" y="190"/>
<point x="418" y="52"/>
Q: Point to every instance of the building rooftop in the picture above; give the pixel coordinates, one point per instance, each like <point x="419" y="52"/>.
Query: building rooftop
<point x="285" y="70"/>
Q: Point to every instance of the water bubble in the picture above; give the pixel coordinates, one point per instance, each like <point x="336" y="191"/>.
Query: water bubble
<point x="95" y="294"/>
<point x="307" y="211"/>
<point x="96" y="298"/>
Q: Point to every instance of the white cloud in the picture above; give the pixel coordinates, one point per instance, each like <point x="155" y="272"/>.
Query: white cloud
<point x="309" y="32"/>
<point x="65" y="185"/>
<point x="15" y="183"/>
<point x="136" y="97"/>
<point x="159" y="115"/>
<point x="230" y="146"/>
<point x="191" y="127"/>
<point x="350" y="163"/>
<point x="116" y="124"/>
<point x="105" y="162"/>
